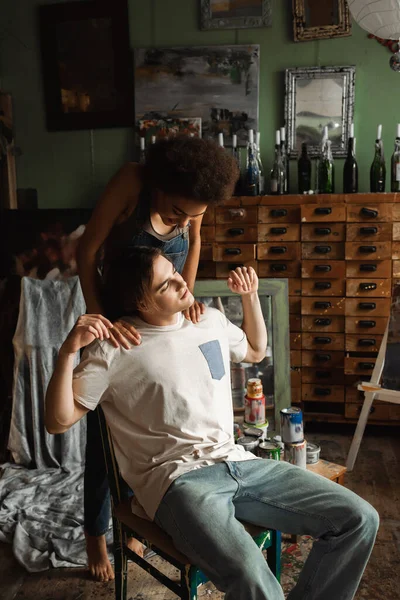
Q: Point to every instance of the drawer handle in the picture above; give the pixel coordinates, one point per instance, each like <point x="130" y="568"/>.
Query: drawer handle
<point x="367" y="324"/>
<point x="233" y="266"/>
<point x="236" y="213"/>
<point x="319" y="391"/>
<point x="367" y="287"/>
<point x="232" y="251"/>
<point x="371" y="410"/>
<point x="322" y="268"/>
<point x="323" y="374"/>
<point x="278" y="230"/>
<point x="278" y="212"/>
<point x="322" y="249"/>
<point x="323" y="210"/>
<point x="322" y="305"/>
<point x="367" y="342"/>
<point x="322" y="340"/>
<point x="369" y="212"/>
<point x="278" y="267"/>
<point x="278" y="250"/>
<point x="322" y="285"/>
<point x="322" y="230"/>
<point x="368" y="268"/>
<point x="367" y="249"/>
<point x="368" y="230"/>
<point x="323" y="357"/>
<point x="322" y="322"/>
<point x="367" y="305"/>
<point x="236" y="231"/>
<point x="366" y="365"/>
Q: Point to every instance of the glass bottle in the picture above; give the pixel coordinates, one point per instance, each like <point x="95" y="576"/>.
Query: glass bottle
<point x="261" y="177"/>
<point x="221" y="140"/>
<point x="378" y="167"/>
<point x="326" y="175"/>
<point x="153" y="139"/>
<point x="252" y="171"/>
<point x="350" y="169"/>
<point x="278" y="169"/>
<point x="304" y="170"/>
<point x="142" y="151"/>
<point x="395" y="186"/>
<point x="237" y="157"/>
<point x="319" y="159"/>
<point x="285" y="159"/>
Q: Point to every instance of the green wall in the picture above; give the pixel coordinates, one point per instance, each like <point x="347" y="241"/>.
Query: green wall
<point x="69" y="169"/>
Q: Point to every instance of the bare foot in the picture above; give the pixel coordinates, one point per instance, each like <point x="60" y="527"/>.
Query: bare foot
<point x="136" y="546"/>
<point x="99" y="564"/>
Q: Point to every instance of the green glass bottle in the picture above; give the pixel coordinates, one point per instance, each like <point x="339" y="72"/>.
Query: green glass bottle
<point x="350" y="170"/>
<point x="395" y="183"/>
<point x="326" y="171"/>
<point x="378" y="167"/>
<point x="304" y="170"/>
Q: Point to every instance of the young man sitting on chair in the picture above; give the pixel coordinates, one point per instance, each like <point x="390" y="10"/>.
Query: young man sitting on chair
<point x="169" y="407"/>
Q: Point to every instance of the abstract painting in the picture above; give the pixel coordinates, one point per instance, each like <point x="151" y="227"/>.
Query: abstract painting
<point x="218" y="84"/>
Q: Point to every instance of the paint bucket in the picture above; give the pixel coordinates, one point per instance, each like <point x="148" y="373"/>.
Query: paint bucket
<point x="269" y="449"/>
<point x="249" y="443"/>
<point x="292" y="430"/>
<point x="313" y="451"/>
<point x="254" y="403"/>
<point x="259" y="431"/>
<point x="296" y="454"/>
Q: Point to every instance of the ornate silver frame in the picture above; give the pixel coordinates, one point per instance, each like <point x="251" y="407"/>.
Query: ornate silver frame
<point x="348" y="74"/>
<point x="210" y="22"/>
<point x="305" y="34"/>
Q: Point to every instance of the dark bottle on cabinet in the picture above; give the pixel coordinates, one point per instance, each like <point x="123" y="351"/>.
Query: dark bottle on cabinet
<point x="285" y="159"/>
<point x="378" y="167"/>
<point x="252" y="174"/>
<point x="304" y="170"/>
<point x="350" y="170"/>
<point x="395" y="183"/>
<point x="236" y="156"/>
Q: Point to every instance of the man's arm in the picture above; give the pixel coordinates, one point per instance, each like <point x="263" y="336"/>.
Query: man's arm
<point x="61" y="409"/>
<point x="244" y="281"/>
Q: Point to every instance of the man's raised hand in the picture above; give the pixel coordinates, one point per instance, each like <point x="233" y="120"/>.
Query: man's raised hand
<point x="243" y="281"/>
<point x="86" y="329"/>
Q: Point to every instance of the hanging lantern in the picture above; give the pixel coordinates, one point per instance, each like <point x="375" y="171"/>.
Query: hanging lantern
<point x="381" y="17"/>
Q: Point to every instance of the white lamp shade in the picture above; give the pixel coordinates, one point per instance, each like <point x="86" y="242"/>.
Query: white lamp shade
<point x="380" y="17"/>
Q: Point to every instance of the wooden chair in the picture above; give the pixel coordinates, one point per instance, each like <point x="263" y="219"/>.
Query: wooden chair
<point x="126" y="524"/>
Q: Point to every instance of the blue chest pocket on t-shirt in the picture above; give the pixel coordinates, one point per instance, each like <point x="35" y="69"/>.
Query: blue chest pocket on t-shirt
<point x="213" y="355"/>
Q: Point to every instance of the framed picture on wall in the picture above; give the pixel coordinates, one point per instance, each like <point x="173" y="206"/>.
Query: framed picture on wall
<point x="87" y="71"/>
<point x="317" y="97"/>
<point x="235" y="14"/>
<point x="317" y="19"/>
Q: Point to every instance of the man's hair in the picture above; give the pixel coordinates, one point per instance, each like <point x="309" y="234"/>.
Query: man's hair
<point x="127" y="284"/>
<point x="191" y="167"/>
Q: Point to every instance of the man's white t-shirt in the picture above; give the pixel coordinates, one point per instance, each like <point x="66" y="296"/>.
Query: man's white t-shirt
<point x="167" y="402"/>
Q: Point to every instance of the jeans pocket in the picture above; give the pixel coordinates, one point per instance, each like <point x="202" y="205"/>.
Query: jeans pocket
<point x="213" y="355"/>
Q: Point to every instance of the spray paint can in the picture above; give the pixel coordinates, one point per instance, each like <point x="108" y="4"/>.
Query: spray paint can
<point x="292" y="430"/>
<point x="296" y="454"/>
<point x="254" y="403"/>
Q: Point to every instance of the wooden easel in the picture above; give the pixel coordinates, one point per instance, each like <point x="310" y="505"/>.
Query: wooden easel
<point x="373" y="391"/>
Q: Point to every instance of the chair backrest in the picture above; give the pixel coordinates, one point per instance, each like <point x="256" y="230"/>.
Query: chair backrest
<point x="115" y="480"/>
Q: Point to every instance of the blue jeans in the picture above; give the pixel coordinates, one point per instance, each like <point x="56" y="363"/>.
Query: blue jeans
<point x="200" y="511"/>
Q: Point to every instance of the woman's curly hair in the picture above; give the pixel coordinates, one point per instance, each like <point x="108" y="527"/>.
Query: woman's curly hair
<point x="191" y="167"/>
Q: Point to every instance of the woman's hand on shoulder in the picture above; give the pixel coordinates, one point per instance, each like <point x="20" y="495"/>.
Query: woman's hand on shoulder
<point x="194" y="312"/>
<point x="124" y="334"/>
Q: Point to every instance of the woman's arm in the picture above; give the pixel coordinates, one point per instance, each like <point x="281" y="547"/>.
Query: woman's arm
<point x="120" y="195"/>
<point x="192" y="261"/>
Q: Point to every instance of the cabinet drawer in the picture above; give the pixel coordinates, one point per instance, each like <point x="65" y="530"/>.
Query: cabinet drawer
<point x="332" y="269"/>
<point x="209" y="216"/>
<point x="240" y="233"/>
<point x="236" y="214"/>
<point x="354" y="396"/>
<point x="278" y="251"/>
<point x="322" y="341"/>
<point x="223" y="268"/>
<point x="314" y="213"/>
<point x="363" y="232"/>
<point x="379" y="412"/>
<point x="283" y="232"/>
<point x="279" y="268"/>
<point x="396" y="211"/>
<point x="322" y="376"/>
<point x="322" y="393"/>
<point x="375" y="288"/>
<point x="295" y="378"/>
<point x="323" y="324"/>
<point x="295" y="341"/>
<point x="322" y="251"/>
<point x="358" y="366"/>
<point x="321" y="359"/>
<point x="363" y="343"/>
<point x="294" y="287"/>
<point x="295" y="358"/>
<point x="278" y="214"/>
<point x="367" y="307"/>
<point x="394" y="412"/>
<point x="396" y="232"/>
<point x="206" y="252"/>
<point x="234" y="252"/>
<point x="369" y="268"/>
<point x="295" y="305"/>
<point x="313" y="287"/>
<point x="396" y="268"/>
<point x="295" y="322"/>
<point x="373" y="213"/>
<point x="208" y="233"/>
<point x="322" y="306"/>
<point x="396" y="250"/>
<point x="327" y="232"/>
<point x="206" y="269"/>
<point x="366" y="326"/>
<point x="370" y="250"/>
<point x="296" y="395"/>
